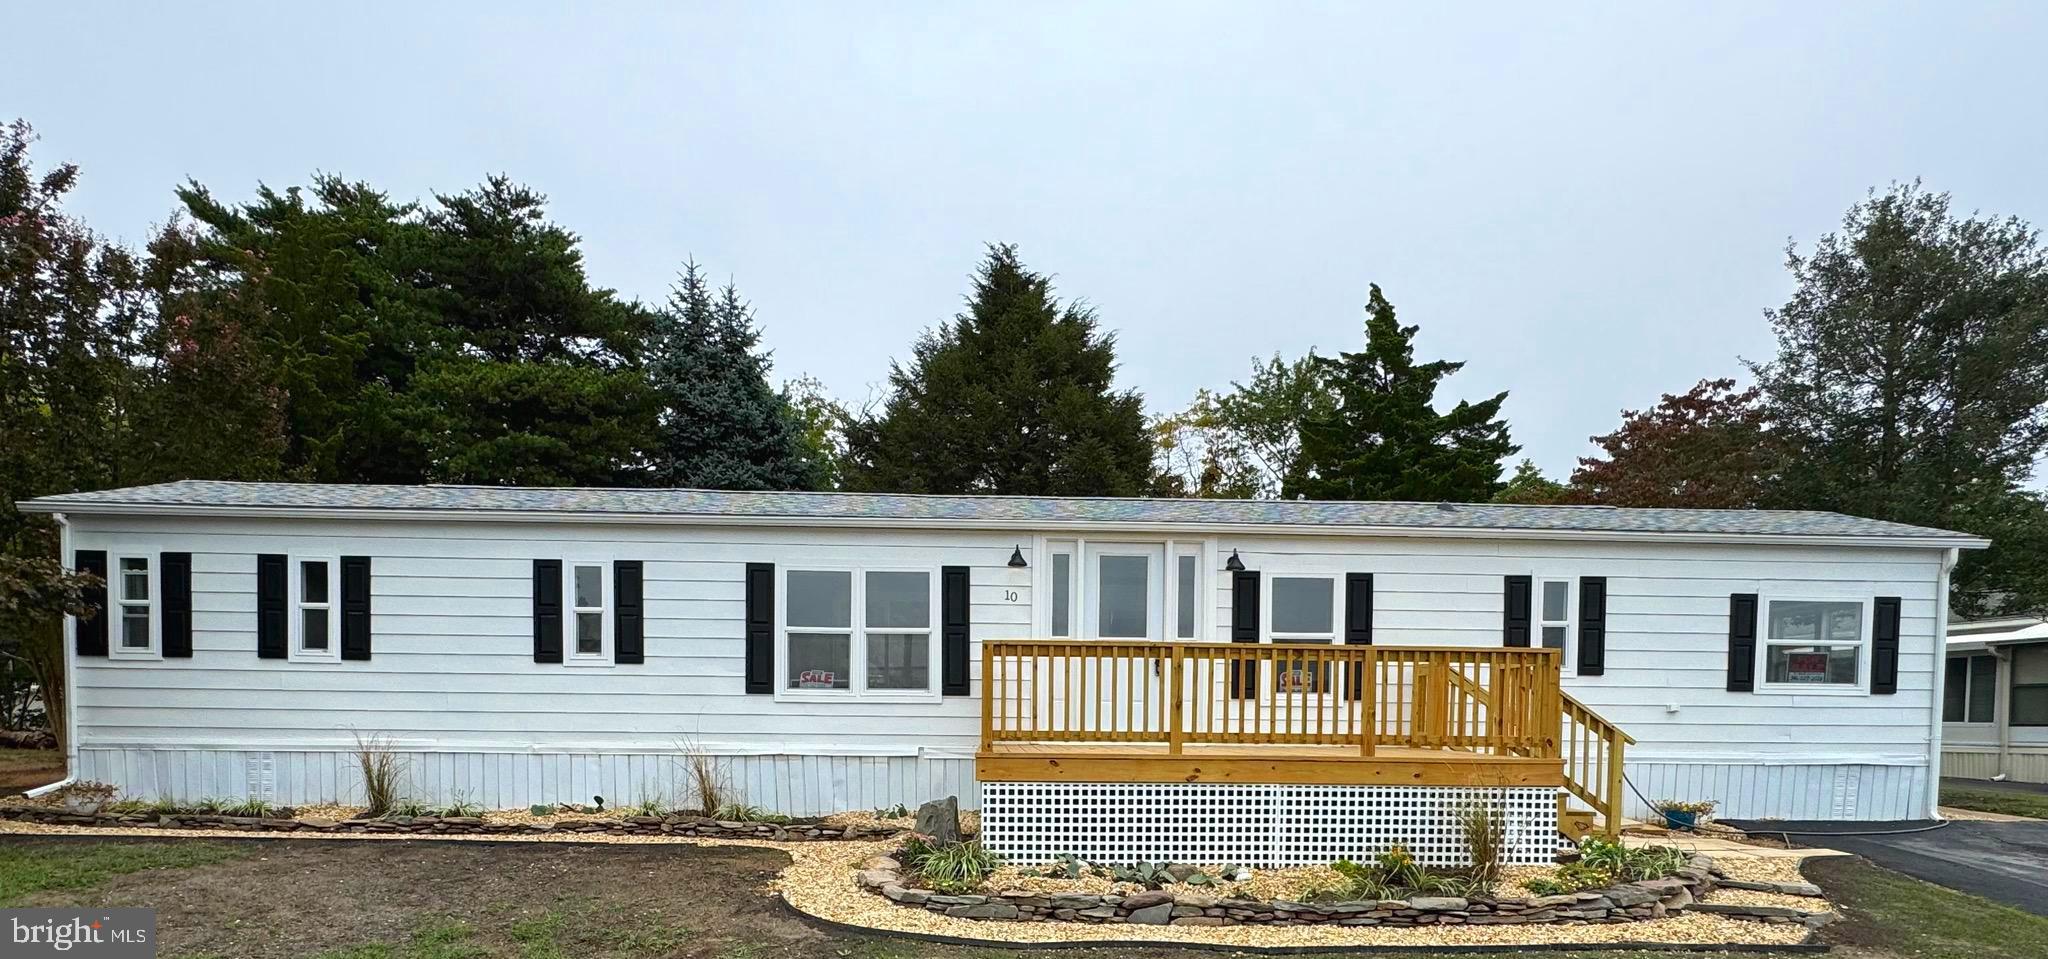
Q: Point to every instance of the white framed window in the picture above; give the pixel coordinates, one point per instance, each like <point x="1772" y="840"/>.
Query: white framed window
<point x="1187" y="594"/>
<point x="588" y="586"/>
<point x="1061" y="571"/>
<point x="2029" y="705"/>
<point x="1815" y="645"/>
<point x="316" y="618"/>
<point x="858" y="632"/>
<point x="133" y="594"/>
<point x="1554" y="602"/>
<point x="1970" y="691"/>
<point x="1301" y="609"/>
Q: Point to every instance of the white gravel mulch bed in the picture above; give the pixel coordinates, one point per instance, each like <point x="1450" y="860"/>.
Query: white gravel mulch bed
<point x="819" y="881"/>
<point x="1751" y="897"/>
<point x="1758" y="868"/>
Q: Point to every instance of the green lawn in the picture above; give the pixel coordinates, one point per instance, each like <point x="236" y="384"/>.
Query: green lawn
<point x="2011" y="802"/>
<point x="1889" y="914"/>
<point x="26" y="869"/>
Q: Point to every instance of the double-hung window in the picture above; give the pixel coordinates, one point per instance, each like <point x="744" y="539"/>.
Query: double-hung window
<point x="859" y="632"/>
<point x="587" y="612"/>
<point x="317" y="622"/>
<point x="1554" y="618"/>
<point x="1303" y="609"/>
<point x="132" y="597"/>
<point x="1814" y="643"/>
<point x="1970" y="691"/>
<point x="2029" y="686"/>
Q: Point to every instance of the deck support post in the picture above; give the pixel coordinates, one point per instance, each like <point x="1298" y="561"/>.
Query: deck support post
<point x="1615" y="744"/>
<point x="1369" y="677"/>
<point x="1176" y="730"/>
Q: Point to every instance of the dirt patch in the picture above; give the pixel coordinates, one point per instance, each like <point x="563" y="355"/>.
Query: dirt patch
<point x="289" y="900"/>
<point x="25" y="769"/>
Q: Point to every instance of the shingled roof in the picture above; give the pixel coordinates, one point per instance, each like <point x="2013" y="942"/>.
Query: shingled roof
<point x="682" y="505"/>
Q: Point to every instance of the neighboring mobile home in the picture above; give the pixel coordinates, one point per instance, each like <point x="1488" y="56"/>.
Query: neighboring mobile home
<point x="1995" y="701"/>
<point x="1221" y="672"/>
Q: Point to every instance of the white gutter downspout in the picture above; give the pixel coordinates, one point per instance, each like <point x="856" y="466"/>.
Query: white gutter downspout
<point x="69" y="640"/>
<point x="1934" y="695"/>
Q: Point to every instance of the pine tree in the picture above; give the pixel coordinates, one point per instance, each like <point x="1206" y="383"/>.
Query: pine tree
<point x="722" y="426"/>
<point x="1911" y="382"/>
<point x="1384" y="440"/>
<point x="1529" y="487"/>
<point x="1014" y="396"/>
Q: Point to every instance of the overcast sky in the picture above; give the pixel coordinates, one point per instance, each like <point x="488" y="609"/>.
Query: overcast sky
<point x="1588" y="204"/>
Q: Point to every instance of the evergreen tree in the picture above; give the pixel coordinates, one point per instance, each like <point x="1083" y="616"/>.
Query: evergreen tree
<point x="1911" y="380"/>
<point x="722" y="426"/>
<point x="1529" y="487"/>
<point x="535" y="377"/>
<point x="1014" y="396"/>
<point x="1383" y="438"/>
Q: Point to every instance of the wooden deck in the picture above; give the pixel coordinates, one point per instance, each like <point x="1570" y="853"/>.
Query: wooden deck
<point x="1259" y="763"/>
<point x="1342" y="715"/>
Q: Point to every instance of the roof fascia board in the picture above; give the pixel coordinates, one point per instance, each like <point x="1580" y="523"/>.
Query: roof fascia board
<point x="859" y="522"/>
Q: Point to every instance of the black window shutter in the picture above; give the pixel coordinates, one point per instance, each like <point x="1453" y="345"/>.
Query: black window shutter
<point x="273" y="620"/>
<point x="175" y="569"/>
<point x="629" y="618"/>
<point x="92" y="630"/>
<point x="355" y="607"/>
<point x="1741" y="642"/>
<point x="953" y="615"/>
<point x="547" y="611"/>
<point x="1357" y="624"/>
<point x="1592" y="625"/>
<point x="1515" y="614"/>
<point x="1884" y="647"/>
<point x="760" y="627"/>
<point x="1244" y="628"/>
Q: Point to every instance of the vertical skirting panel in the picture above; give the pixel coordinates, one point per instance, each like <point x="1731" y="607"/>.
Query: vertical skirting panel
<point x="1757" y="791"/>
<point x="792" y="785"/>
<point x="2025" y="764"/>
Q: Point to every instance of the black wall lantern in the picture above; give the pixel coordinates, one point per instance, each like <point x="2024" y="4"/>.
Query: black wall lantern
<point x="1234" y="564"/>
<point x="1017" y="558"/>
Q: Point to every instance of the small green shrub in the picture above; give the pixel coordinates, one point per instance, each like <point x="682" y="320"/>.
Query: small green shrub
<point x="128" y="807"/>
<point x="408" y="809"/>
<point x="956" y="868"/>
<point x="250" y="808"/>
<point x="741" y="812"/>
<point x="210" y="805"/>
<point x="1571" y="877"/>
<point x="898" y="811"/>
<point x="542" y="809"/>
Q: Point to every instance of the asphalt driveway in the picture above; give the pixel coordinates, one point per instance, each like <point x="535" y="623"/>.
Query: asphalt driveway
<point x="2003" y="861"/>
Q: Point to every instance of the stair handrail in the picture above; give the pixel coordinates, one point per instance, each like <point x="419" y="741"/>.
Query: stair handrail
<point x="1593" y="761"/>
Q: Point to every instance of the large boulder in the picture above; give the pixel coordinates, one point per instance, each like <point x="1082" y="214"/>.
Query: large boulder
<point x="940" y="819"/>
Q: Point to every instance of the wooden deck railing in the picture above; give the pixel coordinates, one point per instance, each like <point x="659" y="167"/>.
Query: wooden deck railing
<point x="1593" y="762"/>
<point x="1489" y="701"/>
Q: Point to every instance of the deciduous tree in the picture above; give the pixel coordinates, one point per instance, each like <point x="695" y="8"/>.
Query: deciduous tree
<point x="1707" y="448"/>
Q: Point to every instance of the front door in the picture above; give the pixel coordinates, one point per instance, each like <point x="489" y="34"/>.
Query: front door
<point x="1125" y="593"/>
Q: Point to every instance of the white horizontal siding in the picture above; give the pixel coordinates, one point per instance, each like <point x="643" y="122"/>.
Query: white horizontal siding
<point x="452" y="673"/>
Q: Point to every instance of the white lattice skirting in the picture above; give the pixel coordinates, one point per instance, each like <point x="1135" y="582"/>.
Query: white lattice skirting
<point x="1256" y="825"/>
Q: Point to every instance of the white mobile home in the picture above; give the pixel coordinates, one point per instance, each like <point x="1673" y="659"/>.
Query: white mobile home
<point x="848" y="651"/>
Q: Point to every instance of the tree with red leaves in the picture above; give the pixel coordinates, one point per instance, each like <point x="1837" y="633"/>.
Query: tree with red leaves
<point x="1710" y="447"/>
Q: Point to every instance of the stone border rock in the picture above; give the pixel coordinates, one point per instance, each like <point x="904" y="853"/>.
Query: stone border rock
<point x="1625" y="902"/>
<point x="427" y="826"/>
